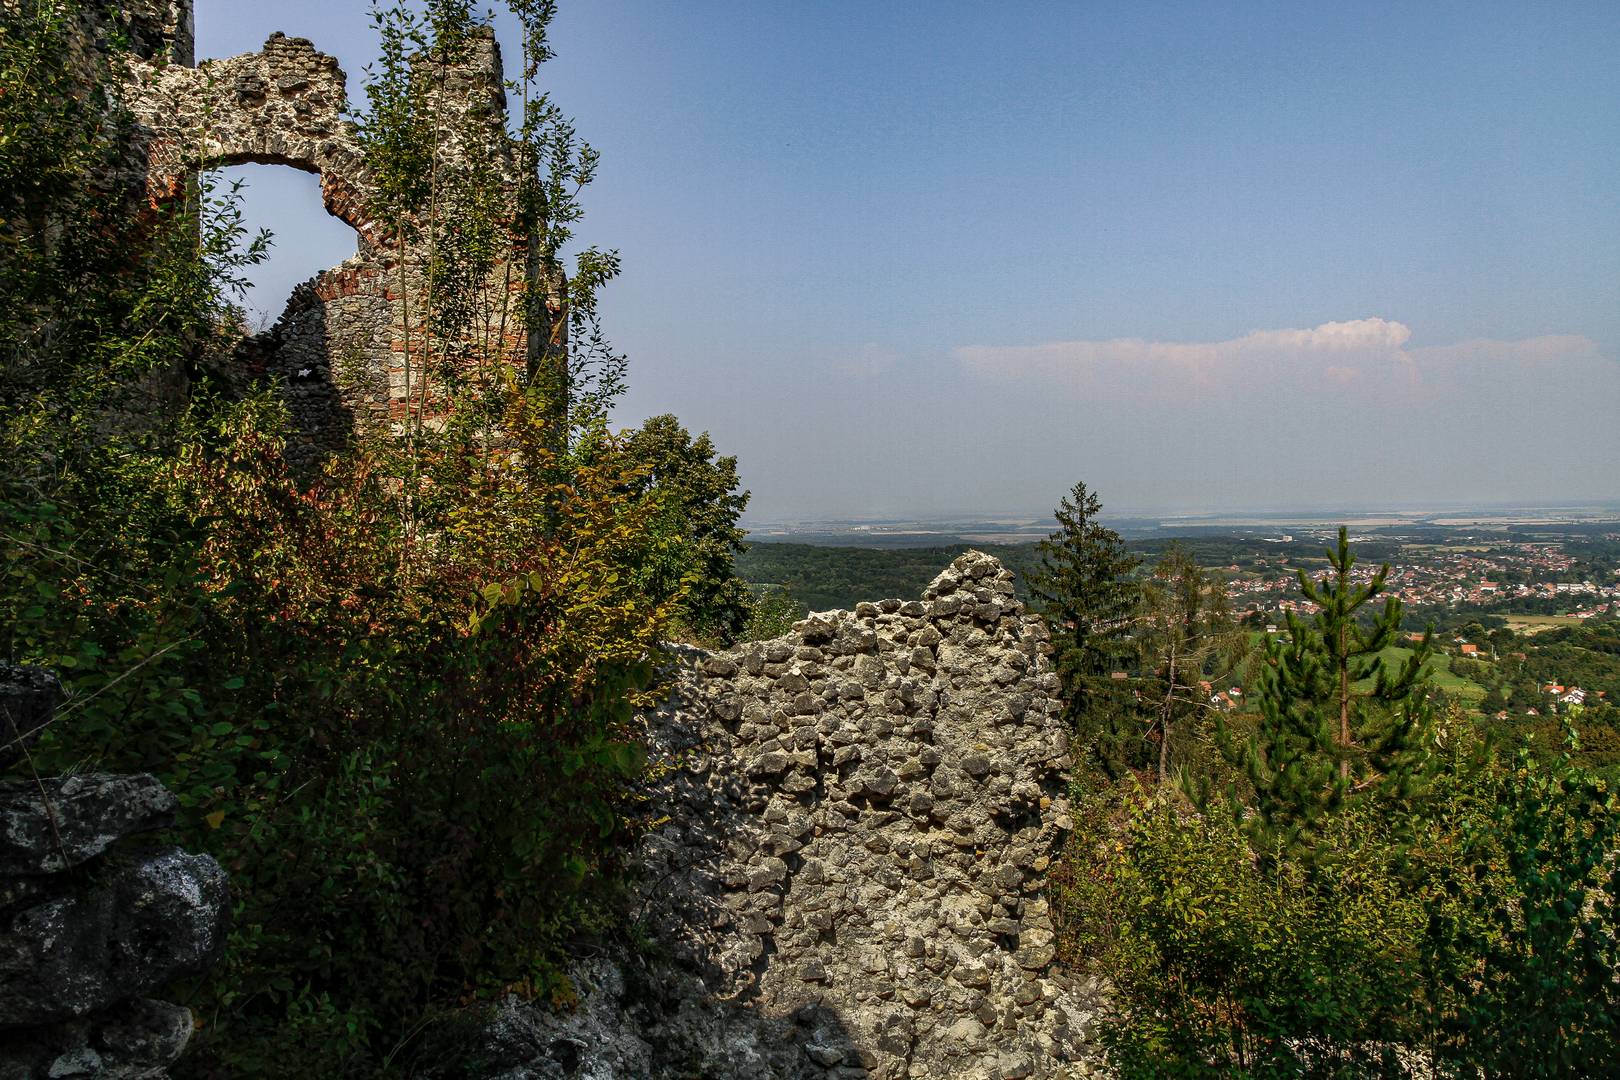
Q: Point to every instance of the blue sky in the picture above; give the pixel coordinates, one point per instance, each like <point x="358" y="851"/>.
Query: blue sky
<point x="916" y="258"/>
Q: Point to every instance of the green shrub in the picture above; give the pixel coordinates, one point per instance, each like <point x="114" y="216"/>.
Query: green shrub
<point x="1226" y="967"/>
<point x="772" y="613"/>
<point x="393" y="697"/>
<point x="411" y="767"/>
<point x="698" y="493"/>
<point x="1476" y="932"/>
<point x="1533" y="907"/>
<point x="1375" y="900"/>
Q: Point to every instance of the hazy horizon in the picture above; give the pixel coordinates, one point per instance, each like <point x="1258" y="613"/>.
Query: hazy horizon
<point x="1602" y="510"/>
<point x="905" y="258"/>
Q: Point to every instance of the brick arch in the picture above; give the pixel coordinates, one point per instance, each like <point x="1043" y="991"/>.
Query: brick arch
<point x="283" y="105"/>
<point x="344" y="191"/>
<point x="338" y="350"/>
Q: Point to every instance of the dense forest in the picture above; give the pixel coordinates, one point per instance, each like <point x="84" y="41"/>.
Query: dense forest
<point x="821" y="577"/>
<point x="1348" y="876"/>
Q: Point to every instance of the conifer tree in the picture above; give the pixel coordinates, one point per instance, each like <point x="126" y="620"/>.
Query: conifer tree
<point x="1325" y="737"/>
<point x="1084" y="591"/>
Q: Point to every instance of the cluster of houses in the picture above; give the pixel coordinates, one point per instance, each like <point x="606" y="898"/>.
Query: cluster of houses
<point x="1560" y="698"/>
<point x="1224" y="700"/>
<point x="1480" y="578"/>
<point x="1451" y="578"/>
<point x="1566" y="695"/>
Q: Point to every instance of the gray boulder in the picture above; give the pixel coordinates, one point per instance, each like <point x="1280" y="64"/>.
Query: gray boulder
<point x="87" y="930"/>
<point x="28" y="699"/>
<point x="53" y="825"/>
<point x="156" y="917"/>
<point x="135" y="1040"/>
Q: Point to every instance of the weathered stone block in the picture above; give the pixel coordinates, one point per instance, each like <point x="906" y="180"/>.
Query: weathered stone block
<point x="51" y="825"/>
<point x="28" y="698"/>
<point x="145" y="922"/>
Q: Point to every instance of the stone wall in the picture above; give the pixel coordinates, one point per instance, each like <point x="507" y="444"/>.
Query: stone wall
<point x="849" y="880"/>
<point x="339" y="349"/>
<point x="89" y="926"/>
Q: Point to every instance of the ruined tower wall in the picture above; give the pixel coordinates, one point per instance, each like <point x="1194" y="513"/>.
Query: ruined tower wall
<point x="850" y="877"/>
<point x="343" y="348"/>
<point x="901" y="770"/>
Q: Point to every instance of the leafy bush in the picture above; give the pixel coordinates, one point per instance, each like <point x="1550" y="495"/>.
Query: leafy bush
<point x="1366" y="900"/>
<point x="411" y="766"/>
<point x="1228" y="967"/>
<point x="1535" y="911"/>
<point x="772" y="614"/>
<point x="393" y="697"/>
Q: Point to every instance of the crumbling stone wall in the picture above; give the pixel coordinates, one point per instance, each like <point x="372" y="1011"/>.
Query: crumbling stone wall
<point x="339" y="349"/>
<point x="281" y="106"/>
<point x="849" y="880"/>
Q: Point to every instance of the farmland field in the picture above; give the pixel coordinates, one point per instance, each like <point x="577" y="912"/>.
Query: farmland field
<point x="1534" y="624"/>
<point x="1440" y="668"/>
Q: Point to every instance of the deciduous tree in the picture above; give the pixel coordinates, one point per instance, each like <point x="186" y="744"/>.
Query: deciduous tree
<point x="1186" y="641"/>
<point x="699" y="505"/>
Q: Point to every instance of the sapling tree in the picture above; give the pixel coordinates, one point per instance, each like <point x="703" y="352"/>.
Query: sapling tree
<point x="1339" y="720"/>
<point x="1187" y="641"/>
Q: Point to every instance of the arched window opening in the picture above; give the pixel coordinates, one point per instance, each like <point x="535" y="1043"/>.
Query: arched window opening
<point x="305" y="239"/>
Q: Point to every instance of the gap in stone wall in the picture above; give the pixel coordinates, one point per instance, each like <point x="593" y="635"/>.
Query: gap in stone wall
<point x="305" y="239"/>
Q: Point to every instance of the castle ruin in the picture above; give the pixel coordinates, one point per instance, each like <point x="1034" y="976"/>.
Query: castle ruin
<point x="860" y="814"/>
<point x="341" y="350"/>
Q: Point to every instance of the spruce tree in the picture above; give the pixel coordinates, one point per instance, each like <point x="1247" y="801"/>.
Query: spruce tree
<point x="1338" y="721"/>
<point x="1084" y="591"/>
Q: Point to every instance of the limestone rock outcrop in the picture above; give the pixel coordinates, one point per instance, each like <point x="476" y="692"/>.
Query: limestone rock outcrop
<point x="75" y="819"/>
<point x="28" y="700"/>
<point x="848" y="883"/>
<point x="88" y="927"/>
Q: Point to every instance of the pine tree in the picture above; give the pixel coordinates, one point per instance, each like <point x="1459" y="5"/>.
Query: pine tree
<point x="1084" y="591"/>
<point x="1324" y="737"/>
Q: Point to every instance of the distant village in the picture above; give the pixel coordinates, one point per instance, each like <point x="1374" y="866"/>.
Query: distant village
<point x="1492" y="579"/>
<point x="1534" y="586"/>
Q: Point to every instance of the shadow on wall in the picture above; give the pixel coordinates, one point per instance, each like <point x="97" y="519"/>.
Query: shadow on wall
<point x="849" y="882"/>
<point x="718" y="841"/>
<point x="689" y="1003"/>
<point x="295" y="353"/>
<point x="847" y="875"/>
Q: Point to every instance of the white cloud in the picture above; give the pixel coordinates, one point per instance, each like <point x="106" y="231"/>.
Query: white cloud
<point x="1364" y="358"/>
